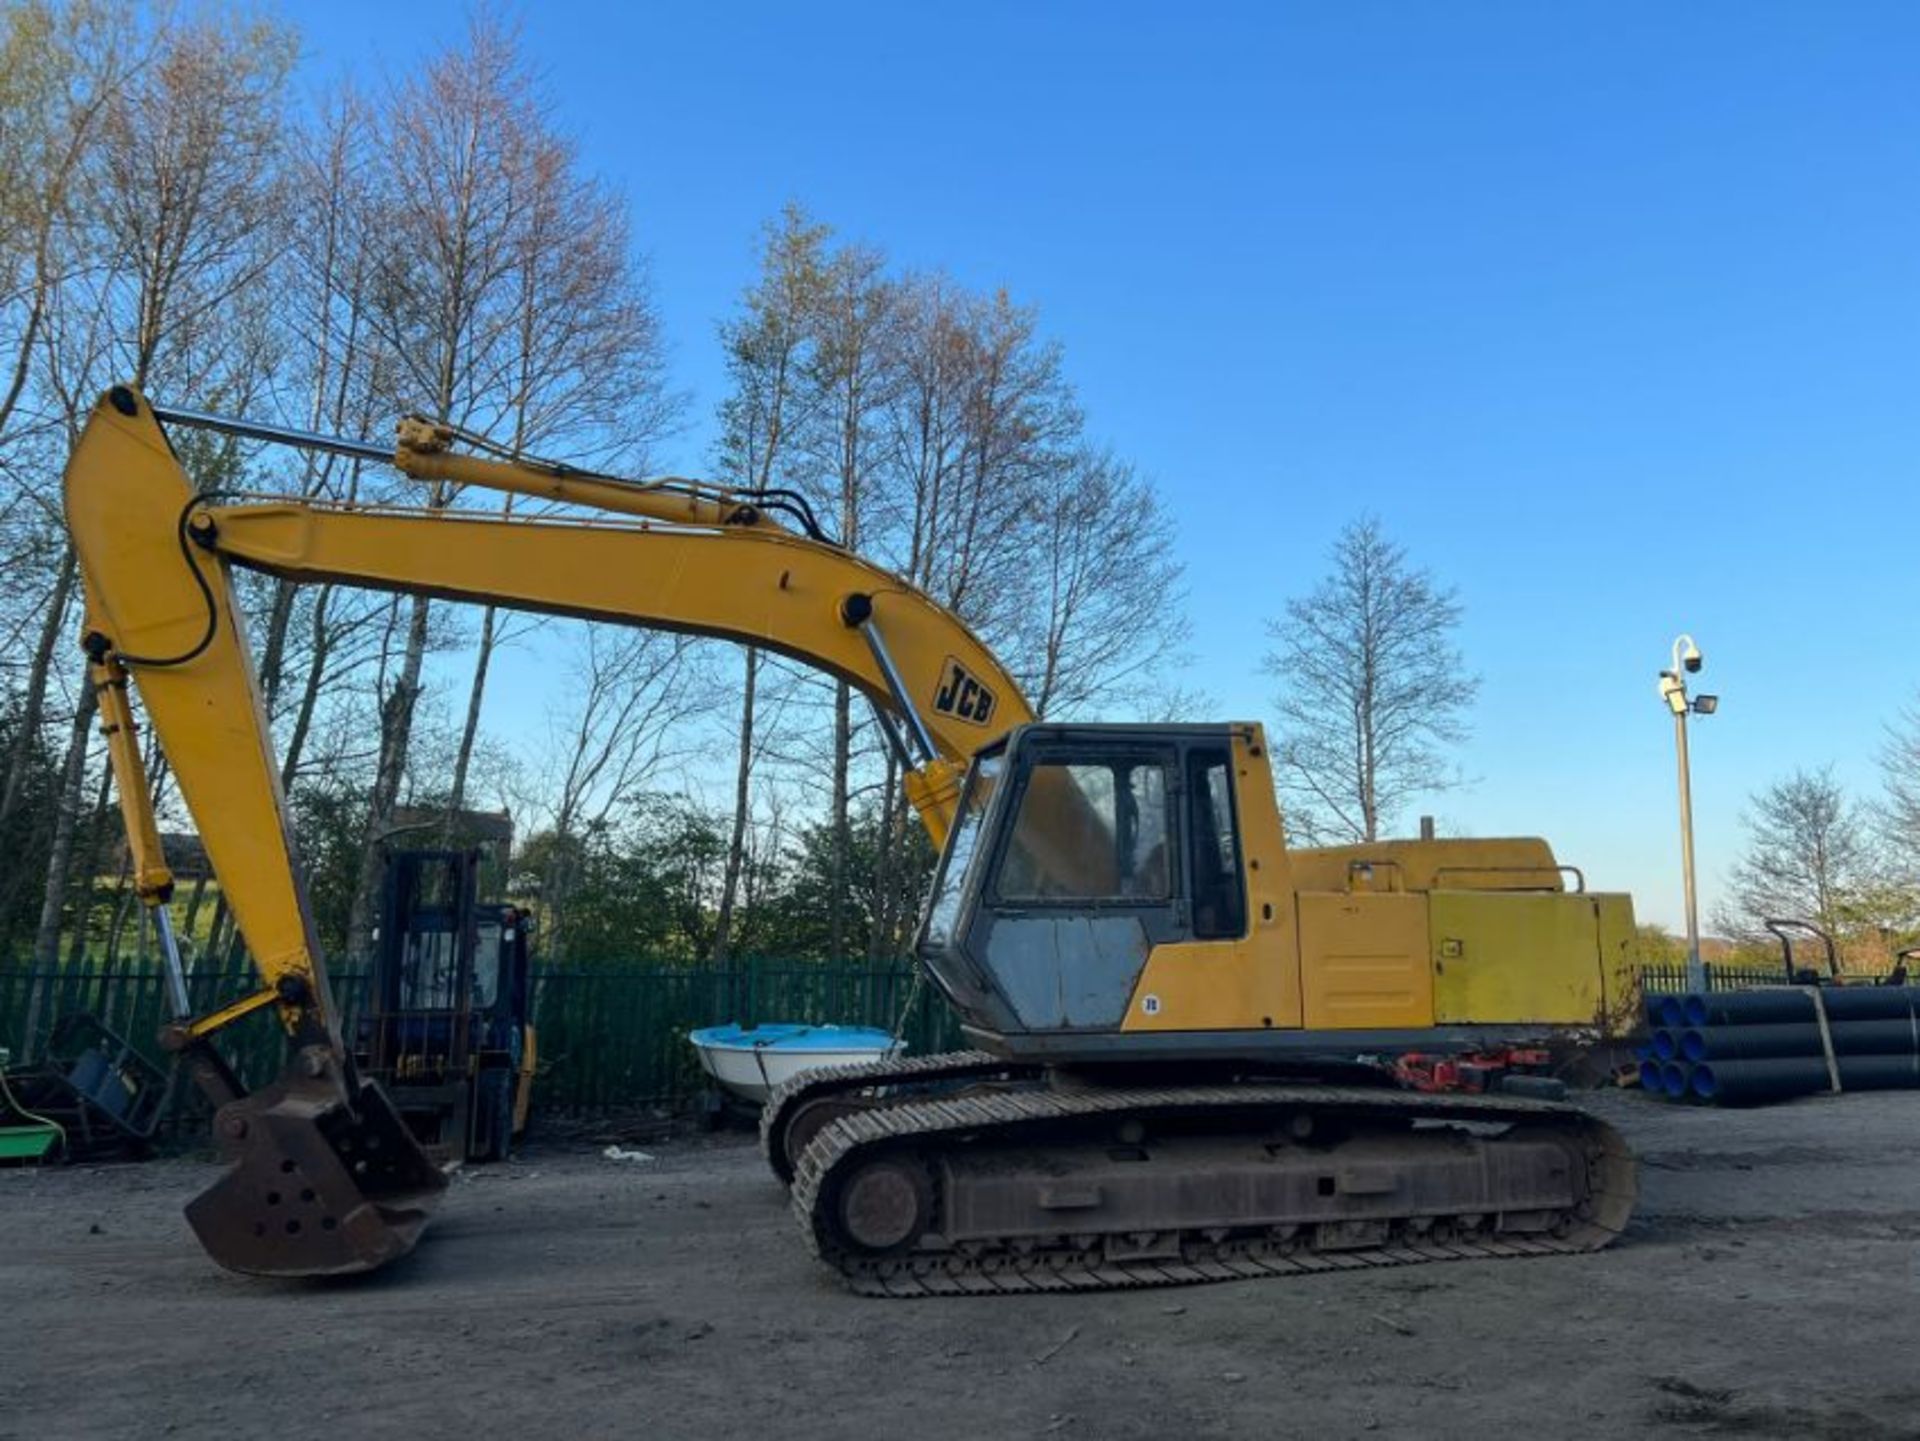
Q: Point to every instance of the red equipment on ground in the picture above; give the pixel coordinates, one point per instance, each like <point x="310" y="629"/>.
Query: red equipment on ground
<point x="1475" y="1071"/>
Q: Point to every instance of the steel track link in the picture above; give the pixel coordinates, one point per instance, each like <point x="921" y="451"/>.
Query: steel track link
<point x="787" y="1097"/>
<point x="1611" y="1169"/>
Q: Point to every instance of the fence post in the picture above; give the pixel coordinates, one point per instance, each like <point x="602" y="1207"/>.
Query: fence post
<point x="37" y="982"/>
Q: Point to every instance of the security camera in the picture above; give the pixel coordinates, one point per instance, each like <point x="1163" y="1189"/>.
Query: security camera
<point x="1690" y="657"/>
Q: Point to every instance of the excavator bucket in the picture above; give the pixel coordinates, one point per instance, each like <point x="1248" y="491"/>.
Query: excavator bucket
<point x="317" y="1188"/>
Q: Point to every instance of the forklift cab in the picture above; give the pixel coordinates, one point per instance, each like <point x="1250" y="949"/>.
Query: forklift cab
<point x="447" y="1027"/>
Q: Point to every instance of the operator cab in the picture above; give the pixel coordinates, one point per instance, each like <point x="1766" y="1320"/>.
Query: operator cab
<point x="1075" y="853"/>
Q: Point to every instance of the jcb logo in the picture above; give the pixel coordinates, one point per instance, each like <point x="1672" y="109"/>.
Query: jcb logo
<point x="961" y="696"/>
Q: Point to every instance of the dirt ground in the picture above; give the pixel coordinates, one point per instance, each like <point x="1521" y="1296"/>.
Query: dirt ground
<point x="1769" y="1287"/>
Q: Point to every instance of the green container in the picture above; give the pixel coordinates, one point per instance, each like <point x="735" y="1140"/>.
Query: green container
<point x="27" y="1143"/>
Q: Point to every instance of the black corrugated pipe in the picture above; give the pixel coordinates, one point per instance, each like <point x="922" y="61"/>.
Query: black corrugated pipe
<point x="1746" y="1083"/>
<point x="1786" y="1038"/>
<point x="1843" y="1003"/>
<point x="1676" y="1079"/>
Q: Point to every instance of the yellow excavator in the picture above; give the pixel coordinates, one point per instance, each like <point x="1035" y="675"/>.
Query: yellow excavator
<point x="1180" y="1022"/>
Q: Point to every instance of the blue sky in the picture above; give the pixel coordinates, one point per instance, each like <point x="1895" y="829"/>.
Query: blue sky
<point x="1608" y="311"/>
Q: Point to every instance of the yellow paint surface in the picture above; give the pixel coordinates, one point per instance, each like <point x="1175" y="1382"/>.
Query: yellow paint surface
<point x="1515" y="957"/>
<point x="1363" y="961"/>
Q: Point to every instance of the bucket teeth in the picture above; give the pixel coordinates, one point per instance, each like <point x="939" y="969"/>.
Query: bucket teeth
<point x="316" y="1188"/>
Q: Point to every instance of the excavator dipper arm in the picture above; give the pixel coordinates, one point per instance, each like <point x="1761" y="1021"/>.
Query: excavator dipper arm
<point x="326" y="1177"/>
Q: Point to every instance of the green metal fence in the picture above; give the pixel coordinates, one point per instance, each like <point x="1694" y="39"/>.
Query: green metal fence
<point x="1671" y="979"/>
<point x="615" y="1037"/>
<point x="611" y="1034"/>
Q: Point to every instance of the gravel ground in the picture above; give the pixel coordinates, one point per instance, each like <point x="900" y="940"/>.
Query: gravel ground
<point x="1768" y="1287"/>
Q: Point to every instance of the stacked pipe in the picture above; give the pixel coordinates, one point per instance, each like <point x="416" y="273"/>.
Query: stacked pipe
<point x="1744" y="1048"/>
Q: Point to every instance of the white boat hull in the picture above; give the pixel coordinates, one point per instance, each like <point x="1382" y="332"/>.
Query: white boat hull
<point x="752" y="1072"/>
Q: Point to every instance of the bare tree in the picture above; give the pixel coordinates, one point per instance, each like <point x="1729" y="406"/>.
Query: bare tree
<point x="191" y="187"/>
<point x="187" y="197"/>
<point x="1809" y="855"/>
<point x="1108" y="615"/>
<point x="927" y="416"/>
<point x="587" y="361"/>
<point x="767" y="346"/>
<point x="335" y="363"/>
<point x="510" y="301"/>
<point x="736" y="858"/>
<point x="925" y="438"/>
<point x="937" y="428"/>
<point x="61" y="66"/>
<point x="447" y="209"/>
<point x="848" y="377"/>
<point x="75" y="338"/>
<point x="634" y="691"/>
<point x="981" y="433"/>
<point x="1372" y="688"/>
<point x="1018" y="421"/>
<point x="1899" y="809"/>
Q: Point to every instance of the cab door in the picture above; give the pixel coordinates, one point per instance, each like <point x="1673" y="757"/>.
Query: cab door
<point x="1085" y="882"/>
<point x="1237" y="967"/>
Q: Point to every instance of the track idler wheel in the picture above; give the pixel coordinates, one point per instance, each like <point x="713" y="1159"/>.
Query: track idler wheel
<point x="317" y="1187"/>
<point x="885" y="1205"/>
<point x="808" y="1121"/>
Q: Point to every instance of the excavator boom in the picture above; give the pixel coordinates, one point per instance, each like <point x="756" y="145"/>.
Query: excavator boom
<point x="326" y="1178"/>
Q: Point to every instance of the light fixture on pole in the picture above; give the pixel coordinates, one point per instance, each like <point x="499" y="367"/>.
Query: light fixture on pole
<point x="1673" y="690"/>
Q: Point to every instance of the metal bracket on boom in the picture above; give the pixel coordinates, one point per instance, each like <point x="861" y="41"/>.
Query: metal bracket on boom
<point x="931" y="781"/>
<point x="187" y="1030"/>
<point x="856" y="612"/>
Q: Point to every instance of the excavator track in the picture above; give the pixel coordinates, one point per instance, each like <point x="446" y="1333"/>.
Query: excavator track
<point x="830" y="1094"/>
<point x="1035" y="1189"/>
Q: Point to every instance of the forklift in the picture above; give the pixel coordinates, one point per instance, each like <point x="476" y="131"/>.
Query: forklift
<point x="447" y="1028"/>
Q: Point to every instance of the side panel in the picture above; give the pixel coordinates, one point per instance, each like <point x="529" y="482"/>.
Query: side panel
<point x="1067" y="972"/>
<point x="1502" y="956"/>
<point x="1252" y="983"/>
<point x="1219" y="986"/>
<point x="1363" y="961"/>
<point x="1620" y="963"/>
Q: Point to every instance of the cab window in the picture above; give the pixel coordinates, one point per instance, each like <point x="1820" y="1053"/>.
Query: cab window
<point x="1090" y="830"/>
<point x="949" y="890"/>
<point x="1219" y="899"/>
